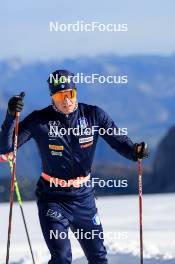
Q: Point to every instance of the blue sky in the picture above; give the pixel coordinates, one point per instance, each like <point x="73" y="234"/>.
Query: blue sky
<point x="25" y="28"/>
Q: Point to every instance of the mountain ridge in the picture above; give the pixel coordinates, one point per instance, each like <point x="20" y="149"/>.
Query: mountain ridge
<point x="145" y="105"/>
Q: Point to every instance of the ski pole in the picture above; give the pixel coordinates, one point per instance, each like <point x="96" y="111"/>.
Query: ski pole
<point x="22" y="211"/>
<point x="140" y="208"/>
<point x="9" y="158"/>
<point x="13" y="183"/>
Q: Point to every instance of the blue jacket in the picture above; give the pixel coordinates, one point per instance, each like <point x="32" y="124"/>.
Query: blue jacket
<point x="64" y="153"/>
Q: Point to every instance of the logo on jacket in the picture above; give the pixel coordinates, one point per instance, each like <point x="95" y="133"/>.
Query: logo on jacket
<point x="56" y="147"/>
<point x="82" y="123"/>
<point x="54" y="129"/>
<point x="87" y="145"/>
<point x="56" y="153"/>
<point x="86" y="140"/>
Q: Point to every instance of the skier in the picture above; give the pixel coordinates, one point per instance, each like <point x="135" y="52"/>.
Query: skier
<point x="65" y="194"/>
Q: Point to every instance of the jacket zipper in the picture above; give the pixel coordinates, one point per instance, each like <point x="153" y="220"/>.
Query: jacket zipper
<point x="72" y="154"/>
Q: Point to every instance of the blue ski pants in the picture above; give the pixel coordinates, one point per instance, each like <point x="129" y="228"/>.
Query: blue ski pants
<point x="82" y="218"/>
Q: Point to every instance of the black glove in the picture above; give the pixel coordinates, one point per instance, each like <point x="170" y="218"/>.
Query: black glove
<point x="140" y="151"/>
<point x="16" y="104"/>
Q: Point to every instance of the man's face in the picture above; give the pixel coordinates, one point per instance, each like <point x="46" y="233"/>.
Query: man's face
<point x="65" y="101"/>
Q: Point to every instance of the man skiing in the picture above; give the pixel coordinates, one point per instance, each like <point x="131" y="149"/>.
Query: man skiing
<point x="65" y="195"/>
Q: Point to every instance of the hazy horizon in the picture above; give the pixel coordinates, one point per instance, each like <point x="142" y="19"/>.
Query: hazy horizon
<point x="25" y="29"/>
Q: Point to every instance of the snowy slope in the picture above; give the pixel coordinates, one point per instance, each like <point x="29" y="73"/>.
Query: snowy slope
<point x="119" y="215"/>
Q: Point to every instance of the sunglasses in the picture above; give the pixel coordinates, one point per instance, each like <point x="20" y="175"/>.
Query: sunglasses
<point x="60" y="96"/>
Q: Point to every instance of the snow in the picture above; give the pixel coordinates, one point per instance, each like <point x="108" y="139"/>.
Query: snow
<point x="119" y="215"/>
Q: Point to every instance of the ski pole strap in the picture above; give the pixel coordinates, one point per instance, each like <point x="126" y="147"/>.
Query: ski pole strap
<point x="77" y="182"/>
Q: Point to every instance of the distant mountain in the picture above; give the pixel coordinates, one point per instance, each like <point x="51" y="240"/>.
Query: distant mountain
<point x="164" y="164"/>
<point x="145" y="105"/>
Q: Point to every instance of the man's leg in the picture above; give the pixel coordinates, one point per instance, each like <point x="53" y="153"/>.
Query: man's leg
<point x="55" y="231"/>
<point x="87" y="224"/>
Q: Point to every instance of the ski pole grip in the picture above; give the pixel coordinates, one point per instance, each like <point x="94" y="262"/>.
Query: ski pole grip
<point x="22" y="95"/>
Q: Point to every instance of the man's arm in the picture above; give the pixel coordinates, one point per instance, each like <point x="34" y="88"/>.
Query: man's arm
<point x="121" y="143"/>
<point x="7" y="129"/>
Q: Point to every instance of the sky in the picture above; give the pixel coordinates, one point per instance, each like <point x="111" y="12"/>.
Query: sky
<point x="25" y="28"/>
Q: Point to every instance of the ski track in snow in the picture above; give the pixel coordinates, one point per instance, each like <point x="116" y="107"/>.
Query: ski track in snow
<point x="119" y="215"/>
